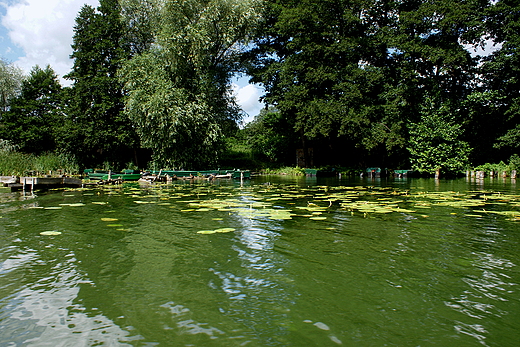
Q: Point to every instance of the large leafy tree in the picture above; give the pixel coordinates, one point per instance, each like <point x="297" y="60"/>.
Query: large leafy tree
<point x="322" y="64"/>
<point x="179" y="91"/>
<point x="501" y="71"/>
<point x="35" y="115"/>
<point x="97" y="129"/>
<point x="359" y="70"/>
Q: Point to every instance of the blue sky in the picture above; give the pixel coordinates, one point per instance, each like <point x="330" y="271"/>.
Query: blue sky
<point x="39" y="32"/>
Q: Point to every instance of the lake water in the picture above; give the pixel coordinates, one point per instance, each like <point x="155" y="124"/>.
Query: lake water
<point x="270" y="262"/>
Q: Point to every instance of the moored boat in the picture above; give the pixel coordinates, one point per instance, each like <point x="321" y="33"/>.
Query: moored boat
<point x="237" y="174"/>
<point x="126" y="175"/>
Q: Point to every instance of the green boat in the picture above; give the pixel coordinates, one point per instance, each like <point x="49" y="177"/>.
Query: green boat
<point x="126" y="175"/>
<point x="130" y="175"/>
<point x="204" y="173"/>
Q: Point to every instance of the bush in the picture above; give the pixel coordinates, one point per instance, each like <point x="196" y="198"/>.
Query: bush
<point x="13" y="163"/>
<point x="286" y="170"/>
<point x="514" y="162"/>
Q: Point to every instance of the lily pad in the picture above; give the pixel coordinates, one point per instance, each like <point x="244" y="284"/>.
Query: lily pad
<point x="50" y="233"/>
<point x="109" y="219"/>
<point x="224" y="230"/>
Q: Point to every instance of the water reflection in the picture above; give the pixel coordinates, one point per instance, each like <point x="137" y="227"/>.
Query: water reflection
<point x="45" y="308"/>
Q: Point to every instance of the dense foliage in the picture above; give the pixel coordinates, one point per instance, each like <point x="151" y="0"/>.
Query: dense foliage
<point x="179" y="93"/>
<point x="34" y="116"/>
<point x="347" y="82"/>
<point x="96" y="128"/>
<point x="11" y="78"/>
<point x="360" y="74"/>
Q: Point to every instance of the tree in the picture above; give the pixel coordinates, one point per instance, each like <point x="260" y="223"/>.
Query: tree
<point x="322" y="65"/>
<point x="435" y="143"/>
<point x="270" y="137"/>
<point x="142" y="21"/>
<point x="35" y="115"/>
<point x="11" y="78"/>
<point x="96" y="127"/>
<point x="353" y="73"/>
<point x="179" y="91"/>
<point x="500" y="71"/>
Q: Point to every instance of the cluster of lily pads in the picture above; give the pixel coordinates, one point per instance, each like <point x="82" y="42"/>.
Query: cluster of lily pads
<point x="285" y="202"/>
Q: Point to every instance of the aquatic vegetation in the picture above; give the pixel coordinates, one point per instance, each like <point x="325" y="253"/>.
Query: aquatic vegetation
<point x="50" y="233"/>
<point x="282" y="203"/>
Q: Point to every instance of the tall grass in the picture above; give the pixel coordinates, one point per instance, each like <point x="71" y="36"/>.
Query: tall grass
<point x="14" y="163"/>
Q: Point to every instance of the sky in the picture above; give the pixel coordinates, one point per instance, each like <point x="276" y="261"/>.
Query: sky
<point x="39" y="32"/>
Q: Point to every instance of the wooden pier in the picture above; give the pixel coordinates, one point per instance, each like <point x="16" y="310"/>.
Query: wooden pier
<point x="32" y="183"/>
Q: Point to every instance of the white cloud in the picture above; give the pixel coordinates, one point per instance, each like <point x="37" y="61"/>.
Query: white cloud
<point x="488" y="48"/>
<point x="43" y="30"/>
<point x="248" y="98"/>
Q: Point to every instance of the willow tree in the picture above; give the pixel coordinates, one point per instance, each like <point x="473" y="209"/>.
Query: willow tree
<point x="179" y="90"/>
<point x="11" y="78"/>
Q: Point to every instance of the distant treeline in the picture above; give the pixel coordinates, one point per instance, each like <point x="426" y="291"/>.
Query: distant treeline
<point x="357" y="83"/>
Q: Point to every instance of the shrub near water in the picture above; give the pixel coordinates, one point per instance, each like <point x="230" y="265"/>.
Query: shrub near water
<point x="13" y="163"/>
<point x="286" y="170"/>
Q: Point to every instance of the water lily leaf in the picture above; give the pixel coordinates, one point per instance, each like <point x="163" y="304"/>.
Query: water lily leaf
<point x="50" y="233"/>
<point x="224" y="230"/>
<point x="382" y="210"/>
<point x="109" y="219"/>
<point x="114" y="225"/>
<point x="99" y="202"/>
<point x="206" y="232"/>
<point x="280" y="216"/>
<point x="318" y="218"/>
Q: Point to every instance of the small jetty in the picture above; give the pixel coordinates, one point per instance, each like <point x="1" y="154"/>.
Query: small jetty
<point x="32" y="183"/>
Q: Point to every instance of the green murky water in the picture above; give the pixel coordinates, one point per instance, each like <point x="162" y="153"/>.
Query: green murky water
<point x="298" y="262"/>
